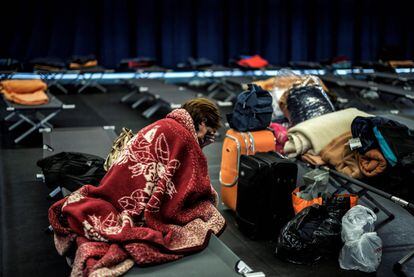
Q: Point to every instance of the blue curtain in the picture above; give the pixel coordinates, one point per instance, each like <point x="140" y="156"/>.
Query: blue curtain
<point x="172" y="30"/>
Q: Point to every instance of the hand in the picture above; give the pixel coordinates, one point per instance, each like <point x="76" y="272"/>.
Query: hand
<point x="209" y="138"/>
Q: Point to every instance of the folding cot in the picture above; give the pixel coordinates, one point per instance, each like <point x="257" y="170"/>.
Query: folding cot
<point x="91" y="140"/>
<point x="305" y="64"/>
<point x="159" y="94"/>
<point x="38" y="116"/>
<point x="403" y="79"/>
<point x="54" y="78"/>
<point x="389" y="89"/>
<point x="90" y="78"/>
<point x="223" y="85"/>
<point x="216" y="260"/>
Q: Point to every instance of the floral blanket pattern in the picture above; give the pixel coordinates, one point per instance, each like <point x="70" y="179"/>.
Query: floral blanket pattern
<point x="155" y="204"/>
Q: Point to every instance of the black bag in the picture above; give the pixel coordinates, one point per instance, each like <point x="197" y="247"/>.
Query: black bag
<point x="263" y="194"/>
<point x="72" y="170"/>
<point x="315" y="232"/>
<point x="307" y="102"/>
<point x="252" y="111"/>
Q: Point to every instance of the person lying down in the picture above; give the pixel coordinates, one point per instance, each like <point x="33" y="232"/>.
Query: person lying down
<point x="155" y="204"/>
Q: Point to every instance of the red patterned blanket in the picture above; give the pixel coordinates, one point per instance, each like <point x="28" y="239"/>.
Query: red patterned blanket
<point x="154" y="205"/>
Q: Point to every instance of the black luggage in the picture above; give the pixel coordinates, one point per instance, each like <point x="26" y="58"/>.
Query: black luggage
<point x="266" y="182"/>
<point x="72" y="170"/>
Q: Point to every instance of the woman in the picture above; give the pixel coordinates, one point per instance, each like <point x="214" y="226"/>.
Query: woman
<point x="154" y="205"/>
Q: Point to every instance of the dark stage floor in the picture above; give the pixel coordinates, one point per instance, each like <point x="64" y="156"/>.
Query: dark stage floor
<point x="27" y="251"/>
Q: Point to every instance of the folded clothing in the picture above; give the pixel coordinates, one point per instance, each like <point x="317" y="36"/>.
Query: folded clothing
<point x="314" y="134"/>
<point x="88" y="64"/>
<point x="198" y="63"/>
<point x="25" y="92"/>
<point x="313" y="159"/>
<point x="80" y="62"/>
<point x="22" y="86"/>
<point x="372" y="163"/>
<point x="253" y="62"/>
<point x="29" y="99"/>
<point x="47" y="63"/>
<point x="402" y="63"/>
<point x="338" y="154"/>
<point x="280" y="133"/>
<point x="137" y="63"/>
<point x="81" y="59"/>
<point x="363" y="128"/>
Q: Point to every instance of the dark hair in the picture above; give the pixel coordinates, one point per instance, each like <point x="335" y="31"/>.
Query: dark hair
<point x="203" y="110"/>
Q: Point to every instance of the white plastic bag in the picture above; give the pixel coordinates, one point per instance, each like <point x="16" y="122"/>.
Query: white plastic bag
<point x="276" y="93"/>
<point x="362" y="254"/>
<point x="357" y="221"/>
<point x="316" y="182"/>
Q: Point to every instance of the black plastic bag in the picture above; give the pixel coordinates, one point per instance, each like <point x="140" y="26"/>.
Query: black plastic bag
<point x="72" y="170"/>
<point x="307" y="102"/>
<point x="313" y="233"/>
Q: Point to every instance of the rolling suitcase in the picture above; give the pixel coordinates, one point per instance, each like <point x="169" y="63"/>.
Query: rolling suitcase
<point x="236" y="144"/>
<point x="266" y="182"/>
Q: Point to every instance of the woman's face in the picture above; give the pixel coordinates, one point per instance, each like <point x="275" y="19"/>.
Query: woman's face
<point x="203" y="130"/>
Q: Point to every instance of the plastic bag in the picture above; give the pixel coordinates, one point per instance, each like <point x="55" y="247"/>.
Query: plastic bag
<point x="357" y="221"/>
<point x="280" y="84"/>
<point x="312" y="234"/>
<point x="316" y="182"/>
<point x="307" y="102"/>
<point x="362" y="254"/>
<point x="118" y="146"/>
<point x="363" y="248"/>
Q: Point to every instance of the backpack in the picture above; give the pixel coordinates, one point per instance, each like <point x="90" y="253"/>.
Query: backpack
<point x="252" y="111"/>
<point x="72" y="170"/>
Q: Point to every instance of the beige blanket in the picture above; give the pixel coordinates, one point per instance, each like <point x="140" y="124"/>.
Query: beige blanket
<point x="314" y="134"/>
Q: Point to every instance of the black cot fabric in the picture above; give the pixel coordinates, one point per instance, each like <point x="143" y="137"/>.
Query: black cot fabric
<point x="173" y="30"/>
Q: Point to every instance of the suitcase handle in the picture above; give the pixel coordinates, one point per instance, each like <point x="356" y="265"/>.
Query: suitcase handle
<point x="246" y="142"/>
<point x="252" y="150"/>
<point x="252" y="143"/>
<point x="237" y="165"/>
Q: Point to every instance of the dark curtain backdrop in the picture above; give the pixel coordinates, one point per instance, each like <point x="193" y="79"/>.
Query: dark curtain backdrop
<point x="172" y="30"/>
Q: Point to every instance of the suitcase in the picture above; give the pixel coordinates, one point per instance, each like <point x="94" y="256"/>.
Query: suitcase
<point x="236" y="144"/>
<point x="266" y="182"/>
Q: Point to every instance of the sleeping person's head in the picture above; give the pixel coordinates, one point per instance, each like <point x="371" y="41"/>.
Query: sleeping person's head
<point x="206" y="118"/>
